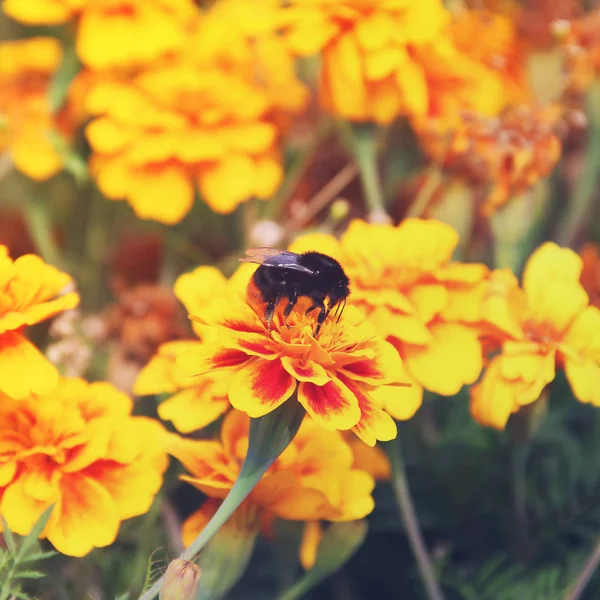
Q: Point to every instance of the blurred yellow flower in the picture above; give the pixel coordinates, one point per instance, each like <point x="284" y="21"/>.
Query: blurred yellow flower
<point x="113" y="33"/>
<point x="368" y="70"/>
<point x="80" y="449"/>
<point x="196" y="401"/>
<point x="26" y="122"/>
<point x="345" y="377"/>
<point x="30" y="292"/>
<point x="313" y="479"/>
<point x="405" y="282"/>
<point x="545" y="324"/>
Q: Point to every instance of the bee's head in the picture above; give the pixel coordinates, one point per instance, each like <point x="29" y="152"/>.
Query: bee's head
<point x="339" y="290"/>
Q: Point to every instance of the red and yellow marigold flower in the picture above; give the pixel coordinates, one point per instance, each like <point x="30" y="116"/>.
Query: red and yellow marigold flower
<point x="196" y="401"/>
<point x="505" y="155"/>
<point x="314" y="479"/>
<point x="346" y="378"/>
<point x="546" y="324"/>
<point x="80" y="449"/>
<point x="30" y="292"/>
<point x="26" y="122"/>
<point x="368" y="70"/>
<point x="404" y="280"/>
<point x="113" y="33"/>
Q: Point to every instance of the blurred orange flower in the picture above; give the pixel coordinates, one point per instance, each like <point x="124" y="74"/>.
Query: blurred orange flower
<point x="368" y="70"/>
<point x="80" y="449"/>
<point x="313" y="479"/>
<point x="590" y="273"/>
<point x="30" y="292"/>
<point x="545" y="324"/>
<point x="113" y="33"/>
<point x="346" y="378"/>
<point x="405" y="282"/>
<point x="506" y="155"/>
<point x="26" y="67"/>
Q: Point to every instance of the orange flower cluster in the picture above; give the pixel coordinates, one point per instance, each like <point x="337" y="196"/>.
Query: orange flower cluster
<point x="80" y="449"/>
<point x="26" y="67"/>
<point x="547" y="323"/>
<point x="405" y="282"/>
<point x="507" y="155"/>
<point x="314" y="479"/>
<point x="30" y="292"/>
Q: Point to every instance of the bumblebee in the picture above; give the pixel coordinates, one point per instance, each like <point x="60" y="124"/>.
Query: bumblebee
<point x="292" y="276"/>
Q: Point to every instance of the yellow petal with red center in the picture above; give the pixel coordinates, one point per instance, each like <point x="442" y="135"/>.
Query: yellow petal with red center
<point x="551" y="283"/>
<point x="84" y="518"/>
<point x="400" y="401"/>
<point x="385" y="366"/>
<point x="374" y="424"/>
<point x="20" y="510"/>
<point x="210" y="357"/>
<point x="260" y="387"/>
<point x="38" y="12"/>
<point x="254" y="344"/>
<point x="429" y="300"/>
<point x="451" y="360"/>
<point x="333" y="405"/>
<point x="228" y="183"/>
<point x="165" y="194"/>
<point x="192" y="409"/>
<point x="25" y="370"/>
<point x="311" y="538"/>
<point x="162" y="373"/>
<point x="305" y="370"/>
<point x="584" y="376"/>
<point x="494" y="399"/>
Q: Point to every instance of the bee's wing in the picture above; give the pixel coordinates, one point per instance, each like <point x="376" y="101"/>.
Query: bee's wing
<point x="272" y="257"/>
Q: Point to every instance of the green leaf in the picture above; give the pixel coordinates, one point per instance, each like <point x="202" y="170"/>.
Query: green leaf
<point x="74" y="164"/>
<point x="32" y="537"/>
<point x="8" y="536"/>
<point x="37" y="556"/>
<point x="337" y="546"/>
<point x="59" y="86"/>
<point x="30" y="575"/>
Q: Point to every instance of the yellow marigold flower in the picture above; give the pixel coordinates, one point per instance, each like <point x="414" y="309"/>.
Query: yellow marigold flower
<point x="26" y="122"/>
<point x="545" y="324"/>
<point x="80" y="449"/>
<point x="113" y="33"/>
<point x="506" y="155"/>
<point x="30" y="292"/>
<point x="196" y="402"/>
<point x="404" y="280"/>
<point x="313" y="479"/>
<point x="368" y="70"/>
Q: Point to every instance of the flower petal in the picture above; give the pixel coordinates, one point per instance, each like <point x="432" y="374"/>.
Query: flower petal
<point x="400" y="401"/>
<point x="311" y="537"/>
<point x="305" y="370"/>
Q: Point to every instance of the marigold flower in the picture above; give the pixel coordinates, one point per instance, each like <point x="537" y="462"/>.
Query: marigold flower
<point x="368" y="70"/>
<point x="80" y="449"/>
<point x="140" y="31"/>
<point x="404" y="280"/>
<point x="30" y="293"/>
<point x="26" y="67"/>
<point x="506" y="155"/>
<point x="590" y="273"/>
<point x="545" y="324"/>
<point x="343" y="377"/>
<point x="313" y="479"/>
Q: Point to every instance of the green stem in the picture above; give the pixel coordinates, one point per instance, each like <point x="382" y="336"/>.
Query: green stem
<point x="269" y="437"/>
<point x="40" y="227"/>
<point x="411" y="523"/>
<point x="591" y="564"/>
<point x="364" y="145"/>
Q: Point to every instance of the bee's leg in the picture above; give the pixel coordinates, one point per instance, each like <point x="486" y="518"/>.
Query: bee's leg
<point x="293" y="299"/>
<point x="322" y="316"/>
<point x="270" y="310"/>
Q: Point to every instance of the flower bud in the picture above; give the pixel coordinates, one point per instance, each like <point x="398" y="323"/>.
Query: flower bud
<point x="181" y="581"/>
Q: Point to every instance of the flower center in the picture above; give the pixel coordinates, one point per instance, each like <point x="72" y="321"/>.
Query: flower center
<point x="543" y="332"/>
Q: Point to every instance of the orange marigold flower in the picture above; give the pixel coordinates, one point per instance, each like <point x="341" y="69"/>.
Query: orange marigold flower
<point x="368" y="70"/>
<point x="139" y="31"/>
<point x="404" y="280"/>
<point x="546" y="324"/>
<point x="26" y="67"/>
<point x="344" y="377"/>
<point x="313" y="479"/>
<point x="30" y="292"/>
<point x="80" y="449"/>
<point x="506" y="155"/>
<point x="590" y="273"/>
<point x="196" y="402"/>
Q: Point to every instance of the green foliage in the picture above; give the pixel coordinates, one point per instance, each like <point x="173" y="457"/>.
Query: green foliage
<point x="18" y="562"/>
